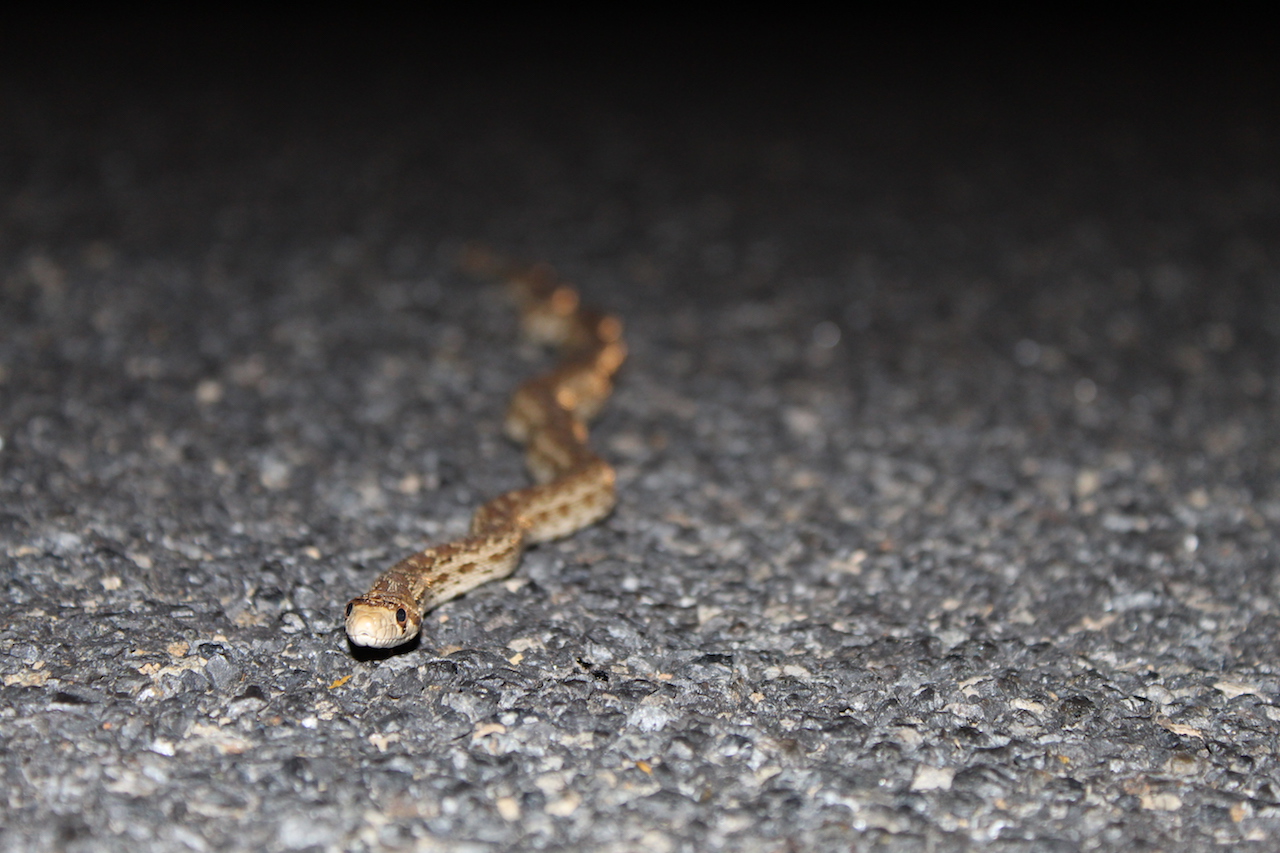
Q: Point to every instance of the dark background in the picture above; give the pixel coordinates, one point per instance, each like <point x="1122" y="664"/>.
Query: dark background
<point x="946" y="449"/>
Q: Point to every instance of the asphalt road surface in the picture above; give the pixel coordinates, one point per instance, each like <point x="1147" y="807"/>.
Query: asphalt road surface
<point x="947" y="448"/>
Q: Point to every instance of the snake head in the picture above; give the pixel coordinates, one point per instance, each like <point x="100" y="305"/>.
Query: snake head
<point x="381" y="623"/>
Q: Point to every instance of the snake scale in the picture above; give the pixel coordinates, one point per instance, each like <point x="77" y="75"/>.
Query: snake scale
<point x="548" y="415"/>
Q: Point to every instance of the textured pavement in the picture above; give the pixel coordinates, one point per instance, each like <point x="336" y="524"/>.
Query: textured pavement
<point x="947" y="449"/>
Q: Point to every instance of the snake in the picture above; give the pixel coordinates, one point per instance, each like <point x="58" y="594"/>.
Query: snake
<point x="548" y="414"/>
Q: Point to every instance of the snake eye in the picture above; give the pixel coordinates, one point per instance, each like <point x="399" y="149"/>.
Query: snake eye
<point x="401" y="616"/>
<point x="348" y="609"/>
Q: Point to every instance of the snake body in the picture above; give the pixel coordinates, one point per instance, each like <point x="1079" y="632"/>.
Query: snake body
<point x="548" y="414"/>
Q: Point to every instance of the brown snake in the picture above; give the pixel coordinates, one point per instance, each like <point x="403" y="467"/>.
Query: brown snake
<point x="548" y="414"/>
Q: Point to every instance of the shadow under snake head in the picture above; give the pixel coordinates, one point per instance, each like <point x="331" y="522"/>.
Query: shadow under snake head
<point x="382" y="621"/>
